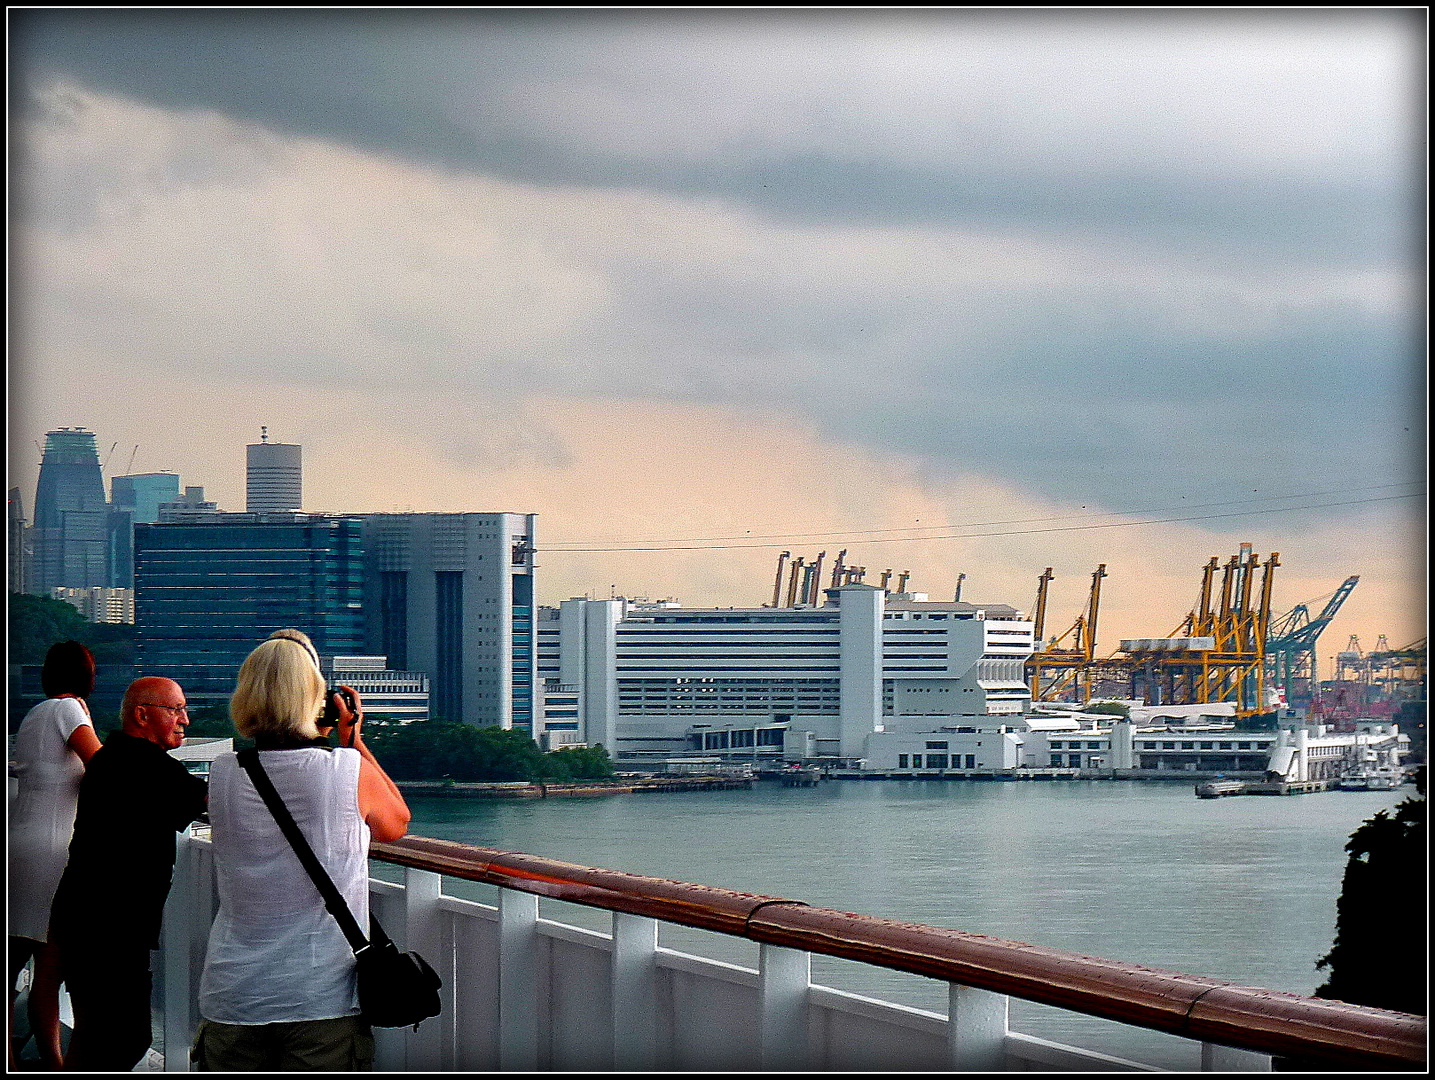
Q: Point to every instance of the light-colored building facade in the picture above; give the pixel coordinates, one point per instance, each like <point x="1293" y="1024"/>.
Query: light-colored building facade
<point x="656" y="680"/>
<point x="452" y="595"/>
<point x="273" y="477"/>
<point x="100" y="605"/>
<point x="399" y="696"/>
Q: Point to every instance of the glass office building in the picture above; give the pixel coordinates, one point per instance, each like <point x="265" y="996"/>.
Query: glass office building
<point x="72" y="518"/>
<point x="206" y="593"/>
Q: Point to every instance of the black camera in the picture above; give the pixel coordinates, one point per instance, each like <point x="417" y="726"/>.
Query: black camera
<point x="332" y="701"/>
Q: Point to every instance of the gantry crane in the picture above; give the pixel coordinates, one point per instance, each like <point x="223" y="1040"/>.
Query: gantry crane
<point x="1291" y="641"/>
<point x="1218" y="651"/>
<point x="1057" y="668"/>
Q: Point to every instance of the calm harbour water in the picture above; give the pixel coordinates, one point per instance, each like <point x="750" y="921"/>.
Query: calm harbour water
<point x="1240" y="889"/>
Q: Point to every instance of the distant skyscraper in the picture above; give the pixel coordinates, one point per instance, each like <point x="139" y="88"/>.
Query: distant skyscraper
<point x="141" y="494"/>
<point x="71" y="531"/>
<point x="452" y="595"/>
<point x="134" y="499"/>
<point x="17" y="539"/>
<point x="274" y="476"/>
<point x="208" y="591"/>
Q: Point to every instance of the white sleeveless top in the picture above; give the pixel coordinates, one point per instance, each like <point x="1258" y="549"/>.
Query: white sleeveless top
<point x="276" y="954"/>
<point x="42" y="817"/>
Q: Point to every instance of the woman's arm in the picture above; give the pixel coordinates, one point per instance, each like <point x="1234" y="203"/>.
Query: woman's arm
<point x="84" y="742"/>
<point x="380" y="803"/>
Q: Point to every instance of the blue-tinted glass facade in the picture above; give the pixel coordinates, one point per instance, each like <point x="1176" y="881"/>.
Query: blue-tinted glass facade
<point x="523" y="653"/>
<point x="207" y="593"/>
<point x="72" y="518"/>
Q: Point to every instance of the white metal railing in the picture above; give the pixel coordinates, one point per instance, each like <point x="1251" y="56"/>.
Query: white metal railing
<point x="524" y="993"/>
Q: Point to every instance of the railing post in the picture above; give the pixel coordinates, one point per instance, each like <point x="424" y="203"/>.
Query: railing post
<point x="976" y="1029"/>
<point x="635" y="991"/>
<point x="1218" y="1058"/>
<point x="426" y="1049"/>
<point x="517" y="981"/>
<point x="180" y="913"/>
<point x="785" y="975"/>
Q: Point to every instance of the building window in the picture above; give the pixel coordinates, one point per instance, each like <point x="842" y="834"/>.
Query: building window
<point x="1188" y="746"/>
<point x="1168" y="746"/>
<point x="901" y="761"/>
<point x="936" y="761"/>
<point x="1056" y="761"/>
<point x="1208" y="746"/>
<point x="916" y="761"/>
<point x="1243" y="746"/>
<point x="1093" y="746"/>
<point x="971" y="761"/>
<point x="936" y="746"/>
<point x="1076" y="761"/>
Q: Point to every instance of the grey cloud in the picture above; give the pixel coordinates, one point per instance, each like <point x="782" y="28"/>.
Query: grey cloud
<point x="551" y="98"/>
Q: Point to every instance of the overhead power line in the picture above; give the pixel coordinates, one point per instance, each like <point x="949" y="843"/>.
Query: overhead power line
<point x="701" y="546"/>
<point x="784" y="536"/>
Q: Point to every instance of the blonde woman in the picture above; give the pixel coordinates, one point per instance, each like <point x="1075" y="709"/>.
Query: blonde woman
<point x="277" y="993"/>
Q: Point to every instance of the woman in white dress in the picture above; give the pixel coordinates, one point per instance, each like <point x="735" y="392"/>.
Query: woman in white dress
<point x="54" y="743"/>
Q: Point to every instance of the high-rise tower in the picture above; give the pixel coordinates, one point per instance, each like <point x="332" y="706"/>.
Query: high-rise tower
<point x="71" y="531"/>
<point x="274" y="477"/>
<point x="18" y="543"/>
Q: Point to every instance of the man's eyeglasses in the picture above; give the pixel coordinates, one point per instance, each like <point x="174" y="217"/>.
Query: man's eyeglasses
<point x="176" y="709"/>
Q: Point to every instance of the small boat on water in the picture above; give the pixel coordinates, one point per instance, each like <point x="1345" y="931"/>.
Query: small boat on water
<point x="1382" y="779"/>
<point x="1214" y="789"/>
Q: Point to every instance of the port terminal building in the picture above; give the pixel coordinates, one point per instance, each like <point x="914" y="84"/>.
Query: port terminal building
<point x="880" y="684"/>
<point x="835" y="681"/>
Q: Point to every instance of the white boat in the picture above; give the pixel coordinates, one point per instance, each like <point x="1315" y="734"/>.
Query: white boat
<point x="1371" y="780"/>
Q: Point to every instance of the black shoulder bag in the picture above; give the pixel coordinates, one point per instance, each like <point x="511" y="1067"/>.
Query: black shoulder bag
<point x="395" y="989"/>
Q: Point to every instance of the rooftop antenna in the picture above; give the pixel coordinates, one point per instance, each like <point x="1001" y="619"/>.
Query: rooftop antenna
<point x="263" y="434"/>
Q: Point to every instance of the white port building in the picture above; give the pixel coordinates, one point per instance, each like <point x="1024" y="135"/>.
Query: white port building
<point x="656" y="680"/>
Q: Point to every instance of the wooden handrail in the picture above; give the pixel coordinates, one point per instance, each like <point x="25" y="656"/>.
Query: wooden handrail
<point x="1313" y="1030"/>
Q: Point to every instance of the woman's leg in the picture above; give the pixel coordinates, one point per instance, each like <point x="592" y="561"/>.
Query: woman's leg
<point x="45" y="1006"/>
<point x="20" y="950"/>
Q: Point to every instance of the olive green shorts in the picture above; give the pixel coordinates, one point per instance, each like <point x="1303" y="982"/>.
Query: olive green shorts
<point x="344" y="1044"/>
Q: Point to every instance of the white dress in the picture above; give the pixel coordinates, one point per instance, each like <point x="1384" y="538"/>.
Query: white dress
<point x="276" y="954"/>
<point x="42" y="817"/>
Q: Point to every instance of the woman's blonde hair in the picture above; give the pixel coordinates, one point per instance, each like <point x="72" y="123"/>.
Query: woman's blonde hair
<point x="279" y="692"/>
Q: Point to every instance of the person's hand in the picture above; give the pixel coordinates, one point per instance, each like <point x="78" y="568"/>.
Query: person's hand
<point x="351" y="719"/>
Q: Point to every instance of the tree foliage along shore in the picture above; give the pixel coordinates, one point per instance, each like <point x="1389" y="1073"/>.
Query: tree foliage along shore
<point x="37" y="622"/>
<point x="1379" y="956"/>
<point x="436" y="750"/>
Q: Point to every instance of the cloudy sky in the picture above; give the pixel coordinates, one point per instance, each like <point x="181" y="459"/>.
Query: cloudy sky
<point x="959" y="291"/>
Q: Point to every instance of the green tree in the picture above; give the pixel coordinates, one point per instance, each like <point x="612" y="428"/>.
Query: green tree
<point x="435" y="749"/>
<point x="579" y="763"/>
<point x="1108" y="708"/>
<point x="37" y="622"/>
<point x="1384" y="884"/>
<point x="438" y="750"/>
<point x="210" y="722"/>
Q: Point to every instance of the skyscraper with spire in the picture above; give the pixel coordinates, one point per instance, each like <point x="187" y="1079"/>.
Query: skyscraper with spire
<point x="274" y="476"/>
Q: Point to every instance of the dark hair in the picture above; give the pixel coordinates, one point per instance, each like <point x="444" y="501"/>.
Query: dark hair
<point x="69" y="669"/>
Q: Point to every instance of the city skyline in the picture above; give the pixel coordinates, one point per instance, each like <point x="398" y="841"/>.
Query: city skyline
<point x="670" y="276"/>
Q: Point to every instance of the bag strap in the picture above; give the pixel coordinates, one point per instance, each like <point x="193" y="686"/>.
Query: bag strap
<point x="333" y="899"/>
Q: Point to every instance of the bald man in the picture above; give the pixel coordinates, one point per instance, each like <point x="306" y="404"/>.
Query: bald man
<point x="106" y="917"/>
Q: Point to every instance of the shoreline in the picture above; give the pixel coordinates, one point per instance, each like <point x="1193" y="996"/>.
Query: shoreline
<point x="520" y="789"/>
